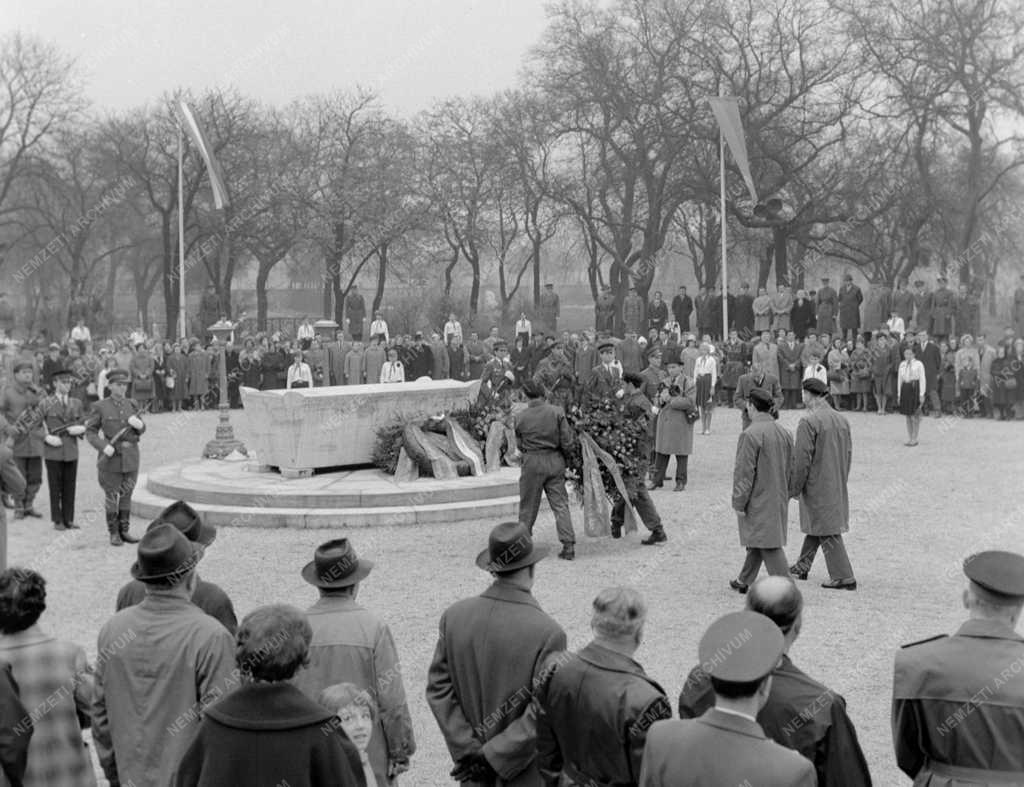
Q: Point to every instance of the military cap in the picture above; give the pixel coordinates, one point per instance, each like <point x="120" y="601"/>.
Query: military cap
<point x="741" y="647"/>
<point x="815" y="386"/>
<point x="762" y="397"/>
<point x="117" y="376"/>
<point x="62" y="373"/>
<point x="54" y="346"/>
<point x="23" y="365"/>
<point x="824" y="278"/>
<point x="997" y="572"/>
<point x="605" y="345"/>
<point x="549" y="284"/>
<point x="500" y="345"/>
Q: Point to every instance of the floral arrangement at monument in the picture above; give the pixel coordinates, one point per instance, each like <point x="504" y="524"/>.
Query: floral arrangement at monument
<point x="615" y="433"/>
<point x="476" y="421"/>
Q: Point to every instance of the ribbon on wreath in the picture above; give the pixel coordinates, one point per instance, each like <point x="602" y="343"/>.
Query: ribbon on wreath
<point x="596" y="505"/>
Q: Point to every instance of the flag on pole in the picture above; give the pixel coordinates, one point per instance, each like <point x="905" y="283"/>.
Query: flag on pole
<point x="195" y="133"/>
<point x="727" y="113"/>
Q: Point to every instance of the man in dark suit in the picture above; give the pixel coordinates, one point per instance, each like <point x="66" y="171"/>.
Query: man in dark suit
<point x="931" y="358"/>
<point x="742" y="313"/>
<point x="63" y="421"/>
<point x="958" y="702"/>
<point x="597" y="736"/>
<point x="726" y="745"/>
<point x="682" y="308"/>
<point x="825" y="736"/>
<point x="489" y="662"/>
<point x="827" y="307"/>
<point x="850" y="299"/>
<point x="756" y="378"/>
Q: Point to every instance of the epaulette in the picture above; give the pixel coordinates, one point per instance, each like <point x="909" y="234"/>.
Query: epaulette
<point x="922" y="641"/>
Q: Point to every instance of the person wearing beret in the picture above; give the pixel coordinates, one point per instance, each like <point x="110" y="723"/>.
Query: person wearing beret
<point x="63" y="417"/>
<point x="490" y="656"/>
<point x="352" y="644"/>
<point x="818" y="477"/>
<point x="958" y="701"/>
<point x="726" y="745"/>
<point x="19" y="404"/>
<point x="113" y="429"/>
<point x="826" y="735"/>
<point x="161" y="663"/>
<point x="598" y="703"/>
<point x="210" y="598"/>
<point x="760" y="490"/>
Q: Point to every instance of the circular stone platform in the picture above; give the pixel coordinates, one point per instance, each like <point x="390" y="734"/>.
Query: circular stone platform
<point x="235" y="494"/>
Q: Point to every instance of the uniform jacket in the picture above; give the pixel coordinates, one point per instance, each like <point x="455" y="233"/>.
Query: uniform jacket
<point x="210" y="598"/>
<point x="943" y="310"/>
<point x="631" y="355"/>
<point x="107" y="418"/>
<point x="850" y="299"/>
<point x="827" y="309"/>
<point x="352" y="645"/>
<point x="549" y="309"/>
<point x="14" y="742"/>
<point x="820" y="470"/>
<point x="824" y="733"/>
<point x="160" y="663"/>
<point x="56" y="416"/>
<point x="483" y="676"/>
<point x="602" y="383"/>
<point x="720" y="749"/>
<point x="604" y="312"/>
<point x="673" y="435"/>
<point x="748" y="382"/>
<point x="266" y="733"/>
<point x="593" y="716"/>
<point x="876" y="308"/>
<point x="56" y="686"/>
<point x="957" y="701"/>
<point x="17" y="403"/>
<point x="790" y="379"/>
<point x="760" y="483"/>
<point x="903" y="305"/>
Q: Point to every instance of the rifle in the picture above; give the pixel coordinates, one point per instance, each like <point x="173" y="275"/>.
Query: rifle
<point x="122" y="432"/>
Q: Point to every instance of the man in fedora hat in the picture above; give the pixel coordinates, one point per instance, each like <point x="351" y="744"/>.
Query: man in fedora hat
<point x="113" y="429"/>
<point x="726" y="745"/>
<point x="161" y="662"/>
<point x="353" y="645"/>
<point x="210" y="598"/>
<point x="488" y="663"/>
<point x="958" y="701"/>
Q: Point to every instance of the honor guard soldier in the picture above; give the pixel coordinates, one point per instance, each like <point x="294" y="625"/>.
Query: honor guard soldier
<point x="20" y="405"/>
<point x="63" y="417"/>
<point x="958" y="701"/>
<point x="113" y="429"/>
<point x="726" y="745"/>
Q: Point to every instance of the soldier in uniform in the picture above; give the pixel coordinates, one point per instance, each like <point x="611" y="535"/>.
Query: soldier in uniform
<point x="604" y="311"/>
<point x="757" y="377"/>
<point x="549" y="309"/>
<point x="497" y="378"/>
<point x="62" y="418"/>
<point x="828" y="307"/>
<point x="903" y="303"/>
<point x="605" y="381"/>
<point x="20" y="405"/>
<point x="958" y="701"/>
<point x="597" y="736"/>
<point x="825" y="736"/>
<point x="113" y="429"/>
<point x="943" y="311"/>
<point x="850" y="299"/>
<point x="545" y="439"/>
<point x="726" y="745"/>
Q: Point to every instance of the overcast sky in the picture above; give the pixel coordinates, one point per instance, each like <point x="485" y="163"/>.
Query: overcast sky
<point x="409" y="51"/>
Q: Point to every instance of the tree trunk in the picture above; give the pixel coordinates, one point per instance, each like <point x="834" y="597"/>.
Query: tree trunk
<point x="382" y="277"/>
<point x="765" y="267"/>
<point x="108" y="295"/>
<point x="780" y="236"/>
<point x="262" y="275"/>
<point x="536" y="271"/>
<point x="474" y="290"/>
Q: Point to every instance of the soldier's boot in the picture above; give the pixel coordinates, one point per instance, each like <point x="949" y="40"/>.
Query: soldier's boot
<point x="123" y="525"/>
<point x="114" y="530"/>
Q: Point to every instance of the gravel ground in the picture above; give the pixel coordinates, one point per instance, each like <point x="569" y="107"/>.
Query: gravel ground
<point x="916" y="512"/>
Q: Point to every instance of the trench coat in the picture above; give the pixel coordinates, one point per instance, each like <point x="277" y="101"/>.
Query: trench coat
<point x="481" y="681"/>
<point x="673" y="435"/>
<point x="828" y="306"/>
<point x="790" y="379"/>
<point x="760" y="482"/>
<point x="943" y="312"/>
<point x="820" y="470"/>
<point x="850" y="299"/>
<point x="768" y="356"/>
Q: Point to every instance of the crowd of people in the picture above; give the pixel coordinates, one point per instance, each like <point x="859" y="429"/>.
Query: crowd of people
<point x="182" y="694"/>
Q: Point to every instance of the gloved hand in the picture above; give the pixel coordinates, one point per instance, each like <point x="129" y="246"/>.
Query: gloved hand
<point x="135" y="422"/>
<point x="52" y="440"/>
<point x="474" y="768"/>
<point x="108" y="451"/>
<point x="76" y="430"/>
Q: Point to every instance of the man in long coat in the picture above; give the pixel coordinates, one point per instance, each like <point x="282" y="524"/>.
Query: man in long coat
<point x="755" y="378"/>
<point x="19" y="404"/>
<point x="1018" y="308"/>
<point x="958" y="701"/>
<point x="549" y="308"/>
<point x="488" y="663"/>
<point x="742" y="314"/>
<point x="673" y="433"/>
<point x="760" y="490"/>
<point x="903" y="302"/>
<point x="791" y="369"/>
<point x="850" y="299"/>
<point x="828" y="306"/>
<point x="825" y="734"/>
<point x="943" y="311"/>
<point x="819" y="475"/>
<point x="604" y="310"/>
<point x="931" y="358"/>
<point x="682" y="308"/>
<point x="632" y="312"/>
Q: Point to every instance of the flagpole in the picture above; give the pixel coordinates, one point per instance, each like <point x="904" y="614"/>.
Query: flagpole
<point x="182" y="332"/>
<point x="725" y="265"/>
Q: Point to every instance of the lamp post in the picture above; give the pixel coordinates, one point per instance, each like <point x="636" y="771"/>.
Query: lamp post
<point x="224" y="442"/>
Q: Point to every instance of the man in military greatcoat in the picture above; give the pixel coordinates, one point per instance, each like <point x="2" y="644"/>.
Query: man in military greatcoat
<point x="63" y="419"/>
<point x="113" y="429"/>
<point x="19" y="404"/>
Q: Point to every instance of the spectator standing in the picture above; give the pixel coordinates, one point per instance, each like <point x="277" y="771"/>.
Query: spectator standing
<point x="549" y="309"/>
<point x="657" y="312"/>
<point x="305" y="334"/>
<point x="351" y="644"/>
<point x="452" y="329"/>
<point x="19" y="404"/>
<point x="63" y="417"/>
<point x="850" y="299"/>
<point x="762" y="311"/>
<point x="903" y="303"/>
<point x="376" y="356"/>
<point x="632" y="312"/>
<point x="355" y="313"/>
<point x="393" y="371"/>
<point x="596" y="705"/>
<point x="299" y="373"/>
<point x="16" y="729"/>
<point x="782" y="306"/>
<point x="827" y="307"/>
<point x="682" y="308"/>
<point x="458" y="359"/>
<point x="912" y="384"/>
<point x="743" y="314"/>
<point x="379" y="327"/>
<point x="943" y="311"/>
<point x="604" y="310"/>
<point x="489" y="657"/>
<point x="355" y="365"/>
<point x="791" y="369"/>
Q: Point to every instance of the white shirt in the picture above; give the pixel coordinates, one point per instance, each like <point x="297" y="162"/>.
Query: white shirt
<point x="524" y="326"/>
<point x="706" y="364"/>
<point x="378" y="327"/>
<point x="896" y="326"/>
<point x="451" y="328"/>
<point x="392" y="372"/>
<point x="818" y="372"/>
<point x="299" y="372"/>
<point x="910" y="371"/>
<point x="305" y="331"/>
<point x="81" y="334"/>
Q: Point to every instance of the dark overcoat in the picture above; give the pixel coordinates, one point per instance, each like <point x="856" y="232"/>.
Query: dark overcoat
<point x="820" y="471"/>
<point x="760" y="484"/>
